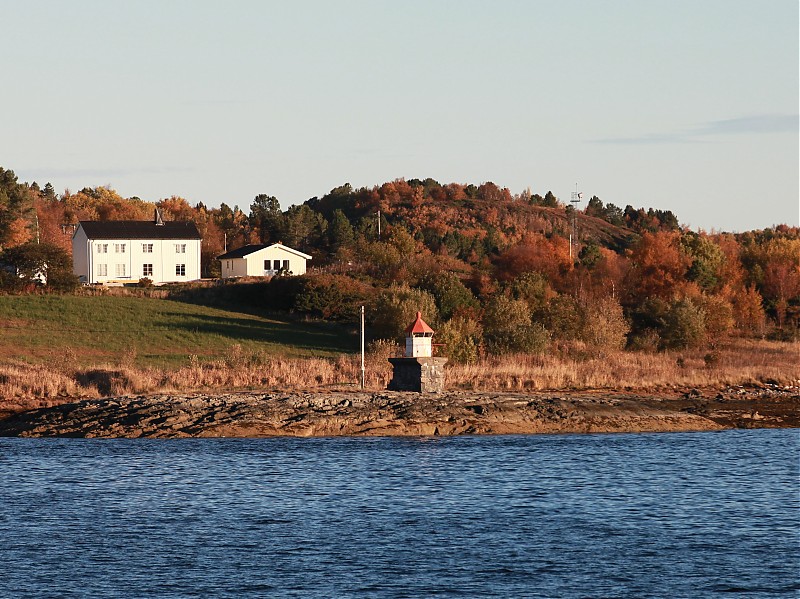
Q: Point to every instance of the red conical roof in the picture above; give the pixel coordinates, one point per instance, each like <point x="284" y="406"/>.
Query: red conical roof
<point x="419" y="326"/>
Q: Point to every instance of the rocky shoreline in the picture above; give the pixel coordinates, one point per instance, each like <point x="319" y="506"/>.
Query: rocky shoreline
<point x="324" y="414"/>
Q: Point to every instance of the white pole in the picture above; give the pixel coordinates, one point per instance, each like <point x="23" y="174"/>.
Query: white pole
<point x="379" y="224"/>
<point x="362" y="349"/>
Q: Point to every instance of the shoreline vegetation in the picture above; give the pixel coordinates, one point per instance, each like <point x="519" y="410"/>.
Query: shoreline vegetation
<point x="617" y="391"/>
<point x="737" y="362"/>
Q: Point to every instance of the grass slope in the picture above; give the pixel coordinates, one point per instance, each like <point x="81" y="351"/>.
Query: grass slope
<point x="149" y="332"/>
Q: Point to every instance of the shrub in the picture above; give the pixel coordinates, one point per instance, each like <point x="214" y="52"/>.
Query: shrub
<point x="646" y="340"/>
<point x="647" y="323"/>
<point x="282" y="292"/>
<point x="32" y="264"/>
<point x="508" y="327"/>
<point x="563" y="316"/>
<point x="748" y="311"/>
<point x="718" y="316"/>
<point x="145" y="282"/>
<point x="461" y="338"/>
<point x="449" y="292"/>
<point x="531" y="339"/>
<point x="605" y="327"/>
<point x="334" y="297"/>
<point x="533" y="288"/>
<point x="684" y="326"/>
<point x="380" y="350"/>
<point x="396" y="307"/>
<point x="503" y="313"/>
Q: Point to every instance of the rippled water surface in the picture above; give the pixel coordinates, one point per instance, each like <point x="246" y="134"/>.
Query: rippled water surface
<point x="648" y="515"/>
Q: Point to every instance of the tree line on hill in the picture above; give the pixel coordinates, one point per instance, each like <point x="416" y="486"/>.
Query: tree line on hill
<point x="495" y="271"/>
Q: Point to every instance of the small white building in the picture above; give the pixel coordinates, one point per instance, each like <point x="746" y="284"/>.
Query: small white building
<point x="419" y="339"/>
<point x="261" y="260"/>
<point x="125" y="251"/>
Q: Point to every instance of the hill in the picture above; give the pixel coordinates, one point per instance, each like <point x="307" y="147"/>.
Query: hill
<point x="495" y="272"/>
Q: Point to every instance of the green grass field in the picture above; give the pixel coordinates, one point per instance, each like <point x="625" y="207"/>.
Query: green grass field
<point x="150" y="332"/>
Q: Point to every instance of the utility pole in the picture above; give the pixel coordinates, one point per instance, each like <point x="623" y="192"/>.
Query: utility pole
<point x="363" y="372"/>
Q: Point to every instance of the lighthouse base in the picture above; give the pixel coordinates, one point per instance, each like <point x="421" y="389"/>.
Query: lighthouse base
<point x="423" y="375"/>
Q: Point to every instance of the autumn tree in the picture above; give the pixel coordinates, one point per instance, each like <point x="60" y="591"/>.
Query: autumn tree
<point x="16" y="210"/>
<point x="537" y="253"/>
<point x="719" y="316"/>
<point x="748" y="311"/>
<point x="50" y="218"/>
<point x="176" y="208"/>
<point x="659" y="265"/>
<point x="604" y="327"/>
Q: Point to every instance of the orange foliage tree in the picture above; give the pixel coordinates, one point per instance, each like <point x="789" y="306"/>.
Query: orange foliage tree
<point x="659" y="265"/>
<point x="175" y="208"/>
<point x="536" y="253"/>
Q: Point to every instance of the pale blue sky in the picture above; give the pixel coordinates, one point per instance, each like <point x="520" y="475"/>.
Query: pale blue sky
<point x="682" y="105"/>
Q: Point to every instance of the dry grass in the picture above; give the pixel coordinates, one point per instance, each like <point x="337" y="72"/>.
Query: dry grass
<point x="739" y="362"/>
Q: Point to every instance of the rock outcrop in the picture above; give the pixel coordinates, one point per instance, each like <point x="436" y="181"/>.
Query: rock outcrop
<point x="250" y="414"/>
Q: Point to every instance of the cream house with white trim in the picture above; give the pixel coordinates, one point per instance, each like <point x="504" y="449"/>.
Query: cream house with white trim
<point x="261" y="260"/>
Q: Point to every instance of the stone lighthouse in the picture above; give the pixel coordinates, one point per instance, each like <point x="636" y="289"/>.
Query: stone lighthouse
<point x="418" y="370"/>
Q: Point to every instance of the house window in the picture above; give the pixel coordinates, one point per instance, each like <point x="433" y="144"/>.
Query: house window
<point x="180" y="248"/>
<point x="102" y="248"/>
<point x="102" y="270"/>
<point x="180" y="270"/>
<point x="120" y="270"/>
<point x="119" y="248"/>
<point x="147" y="270"/>
<point x="286" y="265"/>
<point x="276" y="265"/>
<point x="147" y="248"/>
<point x="266" y="264"/>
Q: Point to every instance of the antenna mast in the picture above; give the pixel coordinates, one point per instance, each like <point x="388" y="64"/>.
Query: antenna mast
<point x="575" y="199"/>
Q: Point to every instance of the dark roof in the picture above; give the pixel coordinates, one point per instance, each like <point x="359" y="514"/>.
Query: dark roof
<point x="139" y="229"/>
<point x="243" y="251"/>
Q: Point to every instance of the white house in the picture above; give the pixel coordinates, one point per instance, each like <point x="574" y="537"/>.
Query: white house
<point x="263" y="260"/>
<point x="124" y="251"/>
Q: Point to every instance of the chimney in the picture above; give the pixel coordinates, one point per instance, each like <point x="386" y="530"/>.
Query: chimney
<point x="159" y="220"/>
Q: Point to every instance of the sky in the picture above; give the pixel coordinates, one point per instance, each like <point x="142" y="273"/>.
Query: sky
<point x="682" y="105"/>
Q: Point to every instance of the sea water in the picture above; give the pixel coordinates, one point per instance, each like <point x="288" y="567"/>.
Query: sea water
<point x="623" y="515"/>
